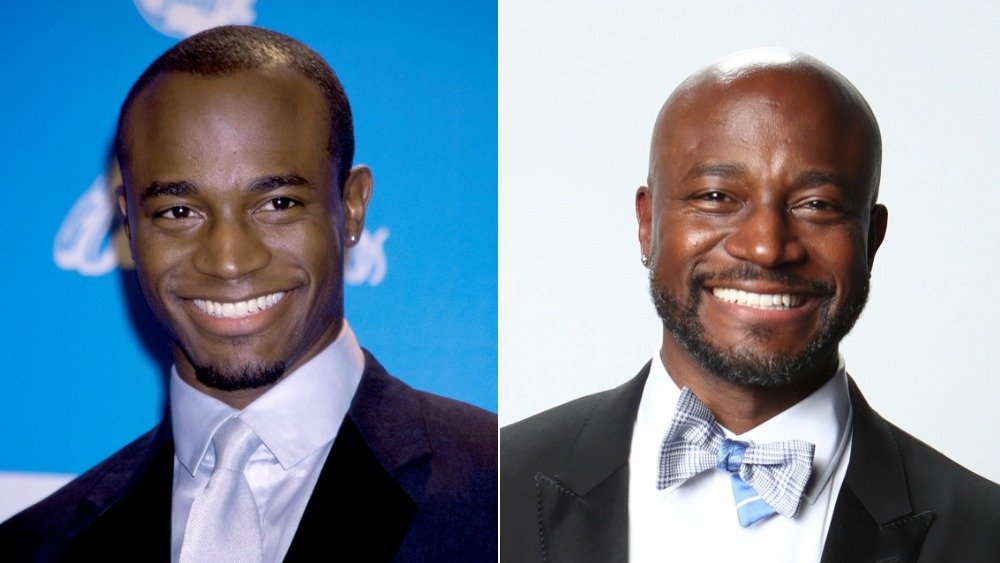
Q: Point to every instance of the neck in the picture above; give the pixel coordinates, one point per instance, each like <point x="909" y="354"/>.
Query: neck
<point x="737" y="407"/>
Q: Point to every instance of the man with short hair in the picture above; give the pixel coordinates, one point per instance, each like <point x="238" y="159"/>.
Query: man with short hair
<point x="284" y="439"/>
<point x="744" y="438"/>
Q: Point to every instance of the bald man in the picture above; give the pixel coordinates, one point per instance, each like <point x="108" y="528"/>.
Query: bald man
<point x="744" y="438"/>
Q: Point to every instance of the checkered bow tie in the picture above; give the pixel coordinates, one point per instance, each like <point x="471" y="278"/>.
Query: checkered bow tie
<point x="767" y="478"/>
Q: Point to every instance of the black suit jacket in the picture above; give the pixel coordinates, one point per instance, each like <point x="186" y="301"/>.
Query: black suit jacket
<point x="564" y="490"/>
<point x="410" y="477"/>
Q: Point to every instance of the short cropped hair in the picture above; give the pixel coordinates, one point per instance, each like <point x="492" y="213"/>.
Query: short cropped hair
<point x="226" y="50"/>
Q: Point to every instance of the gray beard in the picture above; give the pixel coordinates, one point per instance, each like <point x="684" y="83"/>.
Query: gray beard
<point x="743" y="366"/>
<point x="231" y="378"/>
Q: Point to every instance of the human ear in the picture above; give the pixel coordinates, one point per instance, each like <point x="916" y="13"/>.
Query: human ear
<point x="356" y="192"/>
<point x="876" y="231"/>
<point x="644" y="215"/>
<point x="123" y="209"/>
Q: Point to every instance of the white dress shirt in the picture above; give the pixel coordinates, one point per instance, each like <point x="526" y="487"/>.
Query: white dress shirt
<point x="696" y="520"/>
<point x="296" y="421"/>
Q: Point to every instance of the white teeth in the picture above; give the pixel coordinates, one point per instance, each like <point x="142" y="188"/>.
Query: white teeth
<point x="758" y="300"/>
<point x="238" y="309"/>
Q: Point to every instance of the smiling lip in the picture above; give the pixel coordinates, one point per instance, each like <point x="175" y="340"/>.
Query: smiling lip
<point x="238" y="309"/>
<point x="759" y="300"/>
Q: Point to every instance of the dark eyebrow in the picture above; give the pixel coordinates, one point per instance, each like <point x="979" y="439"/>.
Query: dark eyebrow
<point x="260" y="185"/>
<point x="271" y="183"/>
<point x="721" y="169"/>
<point x="816" y="178"/>
<point x="160" y="189"/>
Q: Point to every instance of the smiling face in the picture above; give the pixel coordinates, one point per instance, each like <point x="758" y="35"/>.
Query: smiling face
<point x="236" y="223"/>
<point x="759" y="224"/>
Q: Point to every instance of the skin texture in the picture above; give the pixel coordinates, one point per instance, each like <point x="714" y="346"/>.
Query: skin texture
<point x="229" y="195"/>
<point x="763" y="176"/>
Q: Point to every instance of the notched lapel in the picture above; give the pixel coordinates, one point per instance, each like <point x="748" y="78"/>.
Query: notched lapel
<point x="357" y="509"/>
<point x="873" y="520"/>
<point x="855" y="537"/>
<point x="583" y="510"/>
<point x="589" y="527"/>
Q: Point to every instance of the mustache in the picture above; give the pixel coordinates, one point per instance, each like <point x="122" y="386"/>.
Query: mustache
<point x="750" y="272"/>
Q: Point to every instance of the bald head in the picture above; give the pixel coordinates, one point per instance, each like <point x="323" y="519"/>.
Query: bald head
<point x="743" y="89"/>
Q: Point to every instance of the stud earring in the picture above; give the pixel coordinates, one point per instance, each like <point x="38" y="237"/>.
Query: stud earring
<point x="645" y="260"/>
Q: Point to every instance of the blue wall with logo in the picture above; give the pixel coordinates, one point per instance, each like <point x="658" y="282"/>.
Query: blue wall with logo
<point x="80" y="380"/>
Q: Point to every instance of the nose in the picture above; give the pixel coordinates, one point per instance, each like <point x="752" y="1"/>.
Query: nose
<point x="230" y="249"/>
<point x="764" y="236"/>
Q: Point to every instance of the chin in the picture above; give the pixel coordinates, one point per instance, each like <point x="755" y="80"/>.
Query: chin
<point x="238" y="378"/>
<point x="773" y="371"/>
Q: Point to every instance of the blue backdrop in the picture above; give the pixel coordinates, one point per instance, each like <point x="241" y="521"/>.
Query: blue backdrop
<point x="80" y="380"/>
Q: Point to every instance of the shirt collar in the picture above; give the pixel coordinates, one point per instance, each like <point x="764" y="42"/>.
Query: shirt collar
<point x="293" y="419"/>
<point x="823" y="419"/>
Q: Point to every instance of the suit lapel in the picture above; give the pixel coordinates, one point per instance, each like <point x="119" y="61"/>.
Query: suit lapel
<point x="129" y="510"/>
<point x="873" y="519"/>
<point x="369" y="489"/>
<point x="356" y="506"/>
<point x="583" y="511"/>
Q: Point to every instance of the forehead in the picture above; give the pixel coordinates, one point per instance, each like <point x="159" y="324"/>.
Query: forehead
<point x="270" y="115"/>
<point x="778" y="118"/>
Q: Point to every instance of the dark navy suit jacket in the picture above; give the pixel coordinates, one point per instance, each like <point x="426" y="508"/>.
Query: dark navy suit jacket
<point x="564" y="490"/>
<point x="411" y="477"/>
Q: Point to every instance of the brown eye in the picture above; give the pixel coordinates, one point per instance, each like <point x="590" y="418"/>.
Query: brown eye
<point x="280" y="204"/>
<point x="714" y="201"/>
<point x="820" y="210"/>
<point x="819" y="205"/>
<point x="176" y="212"/>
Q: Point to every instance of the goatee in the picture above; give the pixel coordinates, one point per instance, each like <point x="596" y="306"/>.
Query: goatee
<point x="233" y="378"/>
<point x="745" y="366"/>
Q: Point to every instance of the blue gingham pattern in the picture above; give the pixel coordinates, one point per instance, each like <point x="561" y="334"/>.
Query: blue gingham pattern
<point x="777" y="472"/>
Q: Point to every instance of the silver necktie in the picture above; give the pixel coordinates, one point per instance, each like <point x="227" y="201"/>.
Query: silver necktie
<point x="223" y="524"/>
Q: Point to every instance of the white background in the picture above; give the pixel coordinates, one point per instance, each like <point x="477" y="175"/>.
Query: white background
<point x="580" y="86"/>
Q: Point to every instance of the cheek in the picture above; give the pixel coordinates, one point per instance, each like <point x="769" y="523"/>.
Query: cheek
<point x="700" y="240"/>
<point x="312" y="247"/>
<point x="156" y="257"/>
<point x="161" y="262"/>
<point x="683" y="243"/>
<point x="843" y="255"/>
<point x="317" y="253"/>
